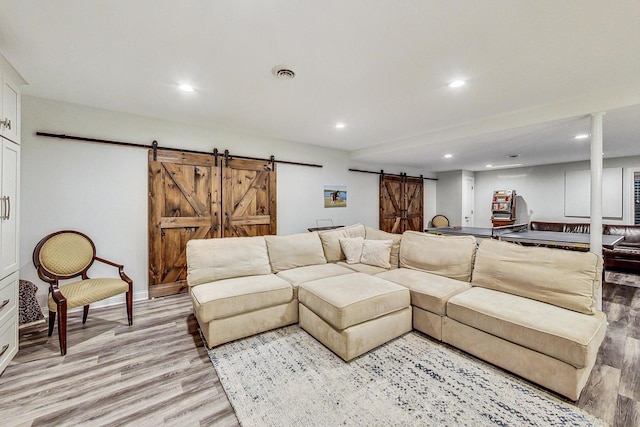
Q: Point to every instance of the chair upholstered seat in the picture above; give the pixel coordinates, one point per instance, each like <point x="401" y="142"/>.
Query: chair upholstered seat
<point x="67" y="255"/>
<point x="85" y="292"/>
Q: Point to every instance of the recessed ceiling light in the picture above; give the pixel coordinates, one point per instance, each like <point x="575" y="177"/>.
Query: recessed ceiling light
<point x="448" y="156"/>
<point x="340" y="125"/>
<point x="457" y="83"/>
<point x="186" y="88"/>
<point x="581" y="136"/>
<point x="515" y="165"/>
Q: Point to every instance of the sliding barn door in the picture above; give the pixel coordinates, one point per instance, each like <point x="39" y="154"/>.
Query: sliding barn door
<point x="414" y="204"/>
<point x="191" y="196"/>
<point x="184" y="204"/>
<point x="249" y="198"/>
<point x="401" y="204"/>
<point x="391" y="205"/>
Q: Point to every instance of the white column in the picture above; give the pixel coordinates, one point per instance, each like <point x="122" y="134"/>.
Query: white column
<point x="596" y="190"/>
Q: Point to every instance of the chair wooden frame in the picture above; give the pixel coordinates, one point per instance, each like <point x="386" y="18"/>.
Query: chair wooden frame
<point x="60" y="300"/>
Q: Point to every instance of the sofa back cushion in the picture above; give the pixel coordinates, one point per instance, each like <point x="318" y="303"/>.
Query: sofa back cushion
<point x="567" y="279"/>
<point x="375" y="234"/>
<point x="577" y="227"/>
<point x="631" y="234"/>
<point x="209" y="260"/>
<point x="547" y="226"/>
<point x="449" y="256"/>
<point x="331" y="240"/>
<point x="295" y="250"/>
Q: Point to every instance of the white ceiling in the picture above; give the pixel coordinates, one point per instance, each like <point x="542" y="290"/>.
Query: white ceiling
<point x="535" y="70"/>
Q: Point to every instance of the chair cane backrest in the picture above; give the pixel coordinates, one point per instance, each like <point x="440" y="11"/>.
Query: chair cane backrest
<point x="65" y="254"/>
<point x="440" y="221"/>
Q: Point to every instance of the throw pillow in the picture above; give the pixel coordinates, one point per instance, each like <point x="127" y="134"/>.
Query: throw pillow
<point x="352" y="248"/>
<point x="376" y="252"/>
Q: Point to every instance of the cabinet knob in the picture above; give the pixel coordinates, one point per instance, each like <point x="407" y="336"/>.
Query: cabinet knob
<point x="6" y="123"/>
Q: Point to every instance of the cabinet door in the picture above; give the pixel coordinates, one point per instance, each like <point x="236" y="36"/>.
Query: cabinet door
<point x="8" y="319"/>
<point x="10" y="127"/>
<point x="9" y="207"/>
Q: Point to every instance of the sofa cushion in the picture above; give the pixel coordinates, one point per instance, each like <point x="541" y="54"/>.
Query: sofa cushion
<point x="331" y="240"/>
<point x="631" y="234"/>
<point x="216" y="259"/>
<point x="428" y="291"/>
<point x="348" y="300"/>
<point x="294" y="250"/>
<point x="238" y="295"/>
<point x="562" y="334"/>
<point x="352" y="249"/>
<point x="363" y="268"/>
<point x="449" y="256"/>
<point x="300" y="275"/>
<point x="623" y="252"/>
<point x="547" y="226"/>
<point x="374" y="234"/>
<point x="376" y="253"/>
<point x="567" y="279"/>
<point x="366" y="251"/>
<point x="577" y="227"/>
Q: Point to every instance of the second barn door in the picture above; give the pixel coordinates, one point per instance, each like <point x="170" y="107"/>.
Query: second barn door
<point x="401" y="203"/>
<point x="248" y="198"/>
<point x="193" y="196"/>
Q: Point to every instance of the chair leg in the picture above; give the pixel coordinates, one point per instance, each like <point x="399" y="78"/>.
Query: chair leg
<point x="52" y="321"/>
<point x="62" y="327"/>
<point x="85" y="314"/>
<point x="130" y="304"/>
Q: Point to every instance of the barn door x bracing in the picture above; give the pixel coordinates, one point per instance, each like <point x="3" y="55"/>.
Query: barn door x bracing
<point x="401" y="203"/>
<point x="191" y="196"/>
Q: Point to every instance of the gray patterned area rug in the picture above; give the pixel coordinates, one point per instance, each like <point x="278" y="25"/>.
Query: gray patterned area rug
<point x="287" y="378"/>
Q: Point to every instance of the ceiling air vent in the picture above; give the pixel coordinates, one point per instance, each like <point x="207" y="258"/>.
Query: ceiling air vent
<point x="283" y="73"/>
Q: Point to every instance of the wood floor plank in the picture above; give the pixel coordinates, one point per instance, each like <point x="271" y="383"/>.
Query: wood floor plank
<point x="630" y="381"/>
<point x="600" y="391"/>
<point x="627" y="412"/>
<point x="613" y="346"/>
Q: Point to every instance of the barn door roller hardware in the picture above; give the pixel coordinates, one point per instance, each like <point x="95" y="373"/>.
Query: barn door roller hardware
<point x="401" y="174"/>
<point x="154" y="146"/>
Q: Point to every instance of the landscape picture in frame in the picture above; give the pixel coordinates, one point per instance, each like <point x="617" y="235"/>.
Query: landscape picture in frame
<point x="335" y="196"/>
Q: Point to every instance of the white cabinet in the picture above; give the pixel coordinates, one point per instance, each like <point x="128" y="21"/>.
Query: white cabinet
<point x="8" y="319"/>
<point x="10" y="117"/>
<point x="9" y="195"/>
<point x="9" y="210"/>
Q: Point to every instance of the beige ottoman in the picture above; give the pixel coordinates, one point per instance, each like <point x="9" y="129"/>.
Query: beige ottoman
<point x="354" y="313"/>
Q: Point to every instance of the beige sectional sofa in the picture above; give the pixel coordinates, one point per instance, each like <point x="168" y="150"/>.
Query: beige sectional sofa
<point x="528" y="310"/>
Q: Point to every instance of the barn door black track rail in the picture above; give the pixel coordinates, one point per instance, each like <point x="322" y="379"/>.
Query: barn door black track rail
<point x="401" y="174"/>
<point x="154" y="146"/>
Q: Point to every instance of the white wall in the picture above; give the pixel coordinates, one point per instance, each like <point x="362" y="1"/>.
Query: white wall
<point x="101" y="190"/>
<point x="540" y="191"/>
<point x="449" y="196"/>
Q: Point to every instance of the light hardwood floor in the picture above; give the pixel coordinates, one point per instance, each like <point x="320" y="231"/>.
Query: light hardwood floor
<point x="157" y="372"/>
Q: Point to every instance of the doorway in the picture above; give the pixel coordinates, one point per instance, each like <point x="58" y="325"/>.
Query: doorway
<point x="468" y="184"/>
